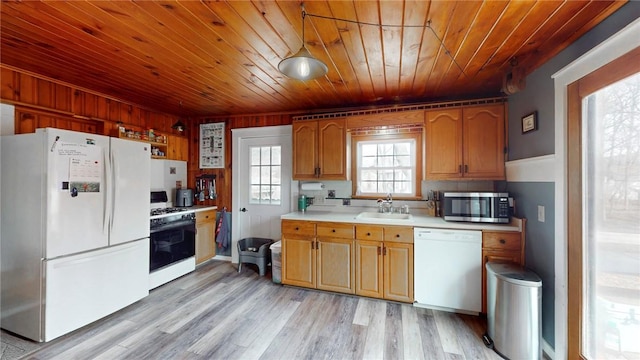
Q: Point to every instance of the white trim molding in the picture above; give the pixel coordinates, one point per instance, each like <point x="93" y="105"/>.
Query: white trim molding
<point x="615" y="46"/>
<point x="535" y="169"/>
<point x="548" y="350"/>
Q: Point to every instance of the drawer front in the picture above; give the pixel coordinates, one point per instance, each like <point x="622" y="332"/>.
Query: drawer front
<point x="303" y="228"/>
<point x="209" y="215"/>
<point x="402" y="234"/>
<point x="501" y="240"/>
<point x="369" y="232"/>
<point x="335" y="230"/>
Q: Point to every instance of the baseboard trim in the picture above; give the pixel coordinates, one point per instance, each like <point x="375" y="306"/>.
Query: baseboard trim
<point x="548" y="350"/>
<point x="535" y="169"/>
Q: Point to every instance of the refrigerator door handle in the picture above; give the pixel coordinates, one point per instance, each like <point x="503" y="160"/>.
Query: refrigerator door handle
<point x="106" y="218"/>
<point x="114" y="176"/>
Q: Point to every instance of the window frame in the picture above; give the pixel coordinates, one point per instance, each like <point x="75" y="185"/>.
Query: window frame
<point x="383" y="137"/>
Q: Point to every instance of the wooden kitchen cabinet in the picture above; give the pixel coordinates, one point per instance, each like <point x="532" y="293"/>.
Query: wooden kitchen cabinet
<point x="205" y="235"/>
<point x="335" y="257"/>
<point x="398" y="263"/>
<point x="501" y="246"/>
<point x="298" y="253"/>
<point x="178" y="148"/>
<point x="466" y="143"/>
<point x="384" y="262"/>
<point x="320" y="150"/>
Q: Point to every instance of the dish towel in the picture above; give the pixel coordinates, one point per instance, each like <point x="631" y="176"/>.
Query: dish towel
<point x="222" y="230"/>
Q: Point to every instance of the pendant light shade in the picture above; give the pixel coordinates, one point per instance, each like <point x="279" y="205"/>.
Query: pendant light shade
<point x="178" y="126"/>
<point x="302" y="66"/>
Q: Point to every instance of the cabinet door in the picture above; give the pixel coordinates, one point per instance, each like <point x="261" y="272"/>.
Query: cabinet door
<point x="398" y="271"/>
<point x="305" y="150"/>
<point x="335" y="265"/>
<point x="332" y="149"/>
<point x="298" y="261"/>
<point x="205" y="235"/>
<point x="369" y="264"/>
<point x="495" y="256"/>
<point x="484" y="142"/>
<point x="444" y="144"/>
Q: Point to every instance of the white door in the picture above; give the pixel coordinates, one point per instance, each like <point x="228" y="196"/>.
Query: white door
<point x="76" y="191"/>
<point x="262" y="182"/>
<point x="130" y="168"/>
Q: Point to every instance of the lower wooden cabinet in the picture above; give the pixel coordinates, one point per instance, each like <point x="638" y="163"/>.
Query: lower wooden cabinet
<point x="384" y="262"/>
<point x="504" y="247"/>
<point x="298" y="253"/>
<point x="373" y="261"/>
<point x="335" y="270"/>
<point x="205" y="235"/>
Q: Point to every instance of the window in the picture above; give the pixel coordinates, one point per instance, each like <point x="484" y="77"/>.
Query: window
<point x="387" y="164"/>
<point x="266" y="172"/>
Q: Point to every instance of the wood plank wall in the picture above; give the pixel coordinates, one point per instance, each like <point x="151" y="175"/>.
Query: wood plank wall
<point x="223" y="176"/>
<point x="44" y="102"/>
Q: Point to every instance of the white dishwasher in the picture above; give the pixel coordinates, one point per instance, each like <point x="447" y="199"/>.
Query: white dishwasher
<point x="448" y="269"/>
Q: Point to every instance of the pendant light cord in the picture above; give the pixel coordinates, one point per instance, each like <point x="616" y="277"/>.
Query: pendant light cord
<point x="428" y="26"/>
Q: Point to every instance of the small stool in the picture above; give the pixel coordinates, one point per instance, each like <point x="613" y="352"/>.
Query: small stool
<point x="254" y="251"/>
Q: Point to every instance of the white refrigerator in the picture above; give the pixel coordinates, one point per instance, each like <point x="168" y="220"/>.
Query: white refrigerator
<point x="74" y="242"/>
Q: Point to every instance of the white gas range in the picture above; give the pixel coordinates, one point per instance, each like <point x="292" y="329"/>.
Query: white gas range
<point x="171" y="241"/>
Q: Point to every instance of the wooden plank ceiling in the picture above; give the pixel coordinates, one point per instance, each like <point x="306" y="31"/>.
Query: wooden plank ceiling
<point x="202" y="58"/>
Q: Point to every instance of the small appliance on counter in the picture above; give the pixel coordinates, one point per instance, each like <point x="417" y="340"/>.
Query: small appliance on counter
<point x="184" y="197"/>
<point x="484" y="207"/>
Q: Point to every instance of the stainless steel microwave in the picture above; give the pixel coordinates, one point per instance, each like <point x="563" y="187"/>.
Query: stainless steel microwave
<point x="486" y="207"/>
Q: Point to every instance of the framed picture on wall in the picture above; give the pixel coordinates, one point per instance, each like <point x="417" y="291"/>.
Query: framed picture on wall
<point x="212" y="146"/>
<point x="529" y="122"/>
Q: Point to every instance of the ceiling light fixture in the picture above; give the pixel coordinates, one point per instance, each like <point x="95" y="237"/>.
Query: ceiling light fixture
<point x="302" y="65"/>
<point x="179" y="125"/>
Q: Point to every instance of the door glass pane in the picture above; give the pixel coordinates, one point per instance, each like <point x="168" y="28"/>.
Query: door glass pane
<point x="265" y="182"/>
<point x="611" y="273"/>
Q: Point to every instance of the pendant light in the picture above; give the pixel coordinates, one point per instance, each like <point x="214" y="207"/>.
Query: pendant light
<point x="179" y="125"/>
<point x="302" y="66"/>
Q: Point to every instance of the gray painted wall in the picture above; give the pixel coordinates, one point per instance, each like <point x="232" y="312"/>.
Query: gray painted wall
<point x="539" y="242"/>
<point x="539" y="96"/>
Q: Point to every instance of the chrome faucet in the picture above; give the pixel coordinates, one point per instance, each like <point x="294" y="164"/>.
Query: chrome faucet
<point x="384" y="206"/>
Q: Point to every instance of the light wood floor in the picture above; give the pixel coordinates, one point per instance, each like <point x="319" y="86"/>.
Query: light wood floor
<point x="216" y="313"/>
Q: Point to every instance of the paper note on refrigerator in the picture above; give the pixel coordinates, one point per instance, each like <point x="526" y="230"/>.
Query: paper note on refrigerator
<point x="85" y="171"/>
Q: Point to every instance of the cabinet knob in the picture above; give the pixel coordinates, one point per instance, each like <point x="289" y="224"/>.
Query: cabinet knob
<point x="368" y="234"/>
<point x="297" y="229"/>
<point x="397" y="235"/>
<point x="503" y="241"/>
<point x="333" y="230"/>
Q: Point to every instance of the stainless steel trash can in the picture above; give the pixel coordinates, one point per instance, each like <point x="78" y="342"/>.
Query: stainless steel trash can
<point x="276" y="262"/>
<point x="514" y="298"/>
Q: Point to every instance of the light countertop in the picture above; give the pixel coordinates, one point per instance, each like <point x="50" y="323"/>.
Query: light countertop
<point x="417" y="220"/>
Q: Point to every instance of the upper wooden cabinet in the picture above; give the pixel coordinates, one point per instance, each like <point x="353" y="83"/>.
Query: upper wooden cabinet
<point x="466" y="143"/>
<point x="320" y="150"/>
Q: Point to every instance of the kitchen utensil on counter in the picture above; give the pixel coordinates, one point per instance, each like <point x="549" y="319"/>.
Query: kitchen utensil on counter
<point x="184" y="197"/>
<point x="302" y="203"/>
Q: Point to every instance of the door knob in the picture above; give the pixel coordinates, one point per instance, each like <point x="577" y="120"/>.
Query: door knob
<point x="243" y="209"/>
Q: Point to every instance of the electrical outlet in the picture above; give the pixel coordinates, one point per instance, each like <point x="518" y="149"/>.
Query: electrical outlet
<point x="541" y="213"/>
<point x="346" y="202"/>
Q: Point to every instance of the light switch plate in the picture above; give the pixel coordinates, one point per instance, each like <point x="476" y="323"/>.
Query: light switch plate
<point x="541" y="213"/>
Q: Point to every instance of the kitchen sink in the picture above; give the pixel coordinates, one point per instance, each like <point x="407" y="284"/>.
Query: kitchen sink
<point x="370" y="215"/>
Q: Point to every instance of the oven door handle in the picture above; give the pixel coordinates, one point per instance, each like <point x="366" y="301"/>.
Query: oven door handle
<point x="189" y="225"/>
